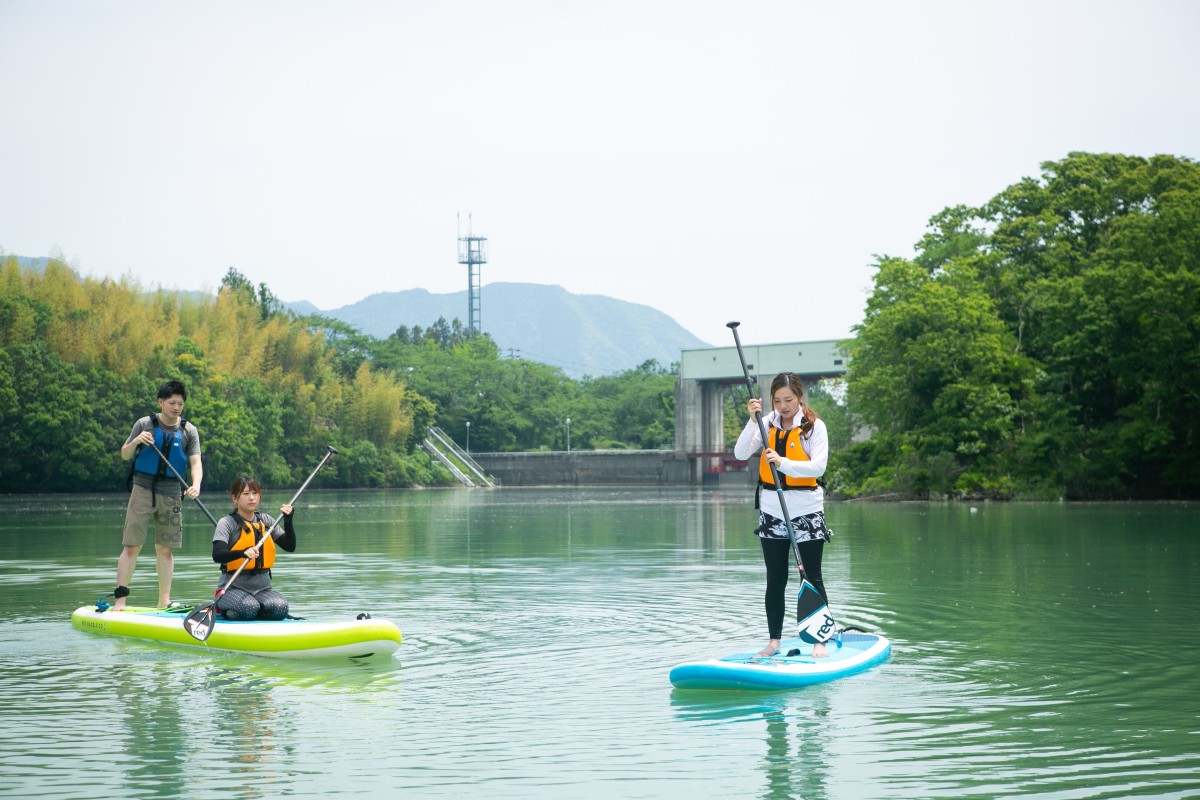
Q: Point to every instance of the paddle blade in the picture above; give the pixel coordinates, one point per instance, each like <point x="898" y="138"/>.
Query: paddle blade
<point x="199" y="623"/>
<point x="813" y="619"/>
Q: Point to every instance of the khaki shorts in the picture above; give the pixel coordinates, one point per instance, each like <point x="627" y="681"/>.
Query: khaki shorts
<point x="164" y="509"/>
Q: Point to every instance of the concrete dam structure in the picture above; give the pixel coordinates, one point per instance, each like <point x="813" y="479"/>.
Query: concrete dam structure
<point x="588" y="468"/>
<point x="700" y="456"/>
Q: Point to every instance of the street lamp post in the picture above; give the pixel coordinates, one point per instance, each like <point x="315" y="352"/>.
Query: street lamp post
<point x="468" y="437"/>
<point x="568" y="434"/>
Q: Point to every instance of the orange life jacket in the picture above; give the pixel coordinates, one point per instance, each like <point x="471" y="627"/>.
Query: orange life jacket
<point x="787" y="444"/>
<point x="248" y="537"/>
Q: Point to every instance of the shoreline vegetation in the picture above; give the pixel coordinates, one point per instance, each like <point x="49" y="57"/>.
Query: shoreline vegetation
<point x="80" y="360"/>
<point x="1043" y="346"/>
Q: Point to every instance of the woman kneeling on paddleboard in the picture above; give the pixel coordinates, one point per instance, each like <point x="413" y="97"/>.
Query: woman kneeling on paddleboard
<point x="236" y="546"/>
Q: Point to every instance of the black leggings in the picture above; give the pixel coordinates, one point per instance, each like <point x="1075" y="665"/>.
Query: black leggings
<point x="234" y="603"/>
<point x="777" y="555"/>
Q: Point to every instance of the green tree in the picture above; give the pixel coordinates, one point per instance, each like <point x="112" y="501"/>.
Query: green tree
<point x="633" y="409"/>
<point x="934" y="375"/>
<point x="269" y="390"/>
<point x="51" y="442"/>
<point x="1043" y="344"/>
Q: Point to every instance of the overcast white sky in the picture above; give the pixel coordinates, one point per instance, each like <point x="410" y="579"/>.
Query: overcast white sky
<point x="715" y="160"/>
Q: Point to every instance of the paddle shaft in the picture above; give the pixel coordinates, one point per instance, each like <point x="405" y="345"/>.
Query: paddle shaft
<point x="275" y="524"/>
<point x="182" y="482"/>
<point x="762" y="431"/>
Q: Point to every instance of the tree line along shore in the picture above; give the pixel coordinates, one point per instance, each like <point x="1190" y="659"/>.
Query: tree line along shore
<point x="1043" y="345"/>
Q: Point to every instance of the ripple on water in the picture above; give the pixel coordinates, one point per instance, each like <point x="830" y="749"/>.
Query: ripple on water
<point x="535" y="663"/>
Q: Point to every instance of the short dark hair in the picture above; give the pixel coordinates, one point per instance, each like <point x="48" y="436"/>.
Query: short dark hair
<point x="170" y="389"/>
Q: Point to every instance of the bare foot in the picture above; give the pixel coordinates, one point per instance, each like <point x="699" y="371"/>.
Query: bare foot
<point x="771" y="649"/>
<point x="819" y="650"/>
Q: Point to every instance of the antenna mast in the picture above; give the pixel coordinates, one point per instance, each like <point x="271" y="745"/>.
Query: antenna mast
<point x="472" y="251"/>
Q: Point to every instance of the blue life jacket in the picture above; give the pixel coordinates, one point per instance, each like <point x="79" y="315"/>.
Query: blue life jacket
<point x="147" y="461"/>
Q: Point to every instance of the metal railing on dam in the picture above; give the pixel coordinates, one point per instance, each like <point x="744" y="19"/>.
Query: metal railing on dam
<point x="446" y="452"/>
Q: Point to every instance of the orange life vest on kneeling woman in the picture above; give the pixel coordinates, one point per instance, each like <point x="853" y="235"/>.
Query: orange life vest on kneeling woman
<point x="248" y="537"/>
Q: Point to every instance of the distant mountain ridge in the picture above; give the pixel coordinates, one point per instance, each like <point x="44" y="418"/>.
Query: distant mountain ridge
<point x="580" y="334"/>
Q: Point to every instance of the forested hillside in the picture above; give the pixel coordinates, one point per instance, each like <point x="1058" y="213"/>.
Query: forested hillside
<point x="81" y="359"/>
<point x="1045" y="344"/>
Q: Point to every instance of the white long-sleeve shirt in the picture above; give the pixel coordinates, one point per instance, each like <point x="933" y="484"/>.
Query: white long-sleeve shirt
<point x="816" y="445"/>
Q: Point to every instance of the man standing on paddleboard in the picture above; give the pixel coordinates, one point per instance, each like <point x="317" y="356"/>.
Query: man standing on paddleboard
<point x="163" y="447"/>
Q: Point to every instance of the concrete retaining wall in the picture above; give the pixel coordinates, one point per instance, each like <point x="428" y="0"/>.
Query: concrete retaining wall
<point x="589" y="468"/>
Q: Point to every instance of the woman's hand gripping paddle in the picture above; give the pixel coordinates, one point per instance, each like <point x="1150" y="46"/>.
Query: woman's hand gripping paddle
<point x="182" y="482"/>
<point x="813" y="619"/>
<point x="200" y="623"/>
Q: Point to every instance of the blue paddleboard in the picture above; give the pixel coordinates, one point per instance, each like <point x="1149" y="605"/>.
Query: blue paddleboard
<point x="849" y="653"/>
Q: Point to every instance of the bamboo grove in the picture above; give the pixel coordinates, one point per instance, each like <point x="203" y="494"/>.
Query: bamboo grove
<point x="80" y="360"/>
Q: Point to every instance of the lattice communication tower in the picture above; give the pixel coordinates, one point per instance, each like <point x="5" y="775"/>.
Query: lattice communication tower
<point x="472" y="251"/>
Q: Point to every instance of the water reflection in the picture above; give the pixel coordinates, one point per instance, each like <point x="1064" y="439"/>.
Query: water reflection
<point x="796" y="762"/>
<point x="793" y="761"/>
<point x="252" y="731"/>
<point x="340" y="677"/>
<point x="149" y="724"/>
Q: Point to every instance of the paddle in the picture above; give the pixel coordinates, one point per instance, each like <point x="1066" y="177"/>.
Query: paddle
<point x="200" y="623"/>
<point x="182" y="482"/>
<point x="813" y="619"/>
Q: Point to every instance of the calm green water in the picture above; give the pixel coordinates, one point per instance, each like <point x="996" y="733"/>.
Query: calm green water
<point x="1039" y="651"/>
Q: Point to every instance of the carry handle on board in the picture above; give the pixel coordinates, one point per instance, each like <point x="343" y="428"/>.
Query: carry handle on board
<point x="200" y="623"/>
<point x="813" y="620"/>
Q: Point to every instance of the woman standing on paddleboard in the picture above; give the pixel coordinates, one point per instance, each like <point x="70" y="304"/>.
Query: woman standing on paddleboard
<point x="235" y="545"/>
<point x="798" y="446"/>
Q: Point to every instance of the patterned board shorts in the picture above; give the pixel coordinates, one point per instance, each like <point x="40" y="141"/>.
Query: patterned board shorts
<point x="808" y="528"/>
<point x="165" y="512"/>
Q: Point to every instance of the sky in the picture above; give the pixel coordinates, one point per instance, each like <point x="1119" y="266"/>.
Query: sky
<point x="716" y="160"/>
